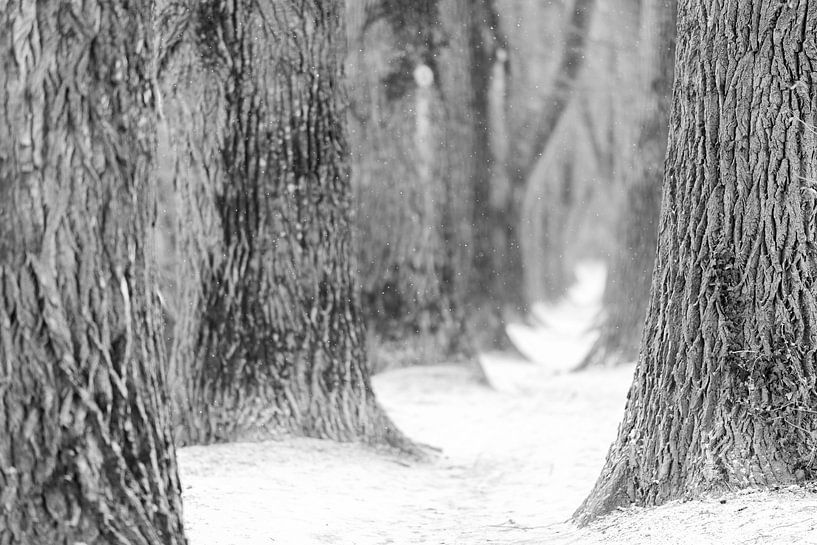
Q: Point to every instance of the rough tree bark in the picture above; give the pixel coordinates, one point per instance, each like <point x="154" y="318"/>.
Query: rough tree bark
<point x="269" y="335"/>
<point x="413" y="302"/>
<point x="86" y="450"/>
<point x="724" y="393"/>
<point x="626" y="295"/>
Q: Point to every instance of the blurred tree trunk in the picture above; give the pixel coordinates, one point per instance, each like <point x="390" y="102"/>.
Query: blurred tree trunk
<point x="724" y="392"/>
<point x="409" y="187"/>
<point x="460" y="166"/>
<point x="497" y="259"/>
<point x="86" y="450"/>
<point x="269" y="335"/>
<point x="626" y="295"/>
<point x="542" y="250"/>
<point x="547" y="210"/>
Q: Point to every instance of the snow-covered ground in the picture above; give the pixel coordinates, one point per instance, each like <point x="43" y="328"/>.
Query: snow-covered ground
<point x="516" y="459"/>
<point x="511" y="465"/>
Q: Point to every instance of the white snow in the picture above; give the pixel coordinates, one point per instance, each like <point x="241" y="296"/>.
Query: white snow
<point x="511" y="464"/>
<point x="516" y="461"/>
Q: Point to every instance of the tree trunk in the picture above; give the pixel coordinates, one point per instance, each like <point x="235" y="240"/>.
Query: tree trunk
<point x="270" y="301"/>
<point x="497" y="278"/>
<point x="724" y="391"/>
<point x="86" y="450"/>
<point x="413" y="305"/>
<point x="460" y="167"/>
<point x="625" y="296"/>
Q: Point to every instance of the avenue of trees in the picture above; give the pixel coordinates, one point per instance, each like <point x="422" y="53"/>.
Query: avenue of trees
<point x="219" y="217"/>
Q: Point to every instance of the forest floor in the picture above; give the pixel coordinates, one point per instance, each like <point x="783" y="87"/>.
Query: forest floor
<point x="517" y="457"/>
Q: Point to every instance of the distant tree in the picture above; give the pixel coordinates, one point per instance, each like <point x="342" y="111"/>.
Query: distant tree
<point x="626" y="297"/>
<point x="406" y="126"/>
<point x="517" y="258"/>
<point x="269" y="335"/>
<point x="498" y="277"/>
<point x="442" y="262"/>
<point x="86" y="450"/>
<point x="724" y="392"/>
<point x="543" y="245"/>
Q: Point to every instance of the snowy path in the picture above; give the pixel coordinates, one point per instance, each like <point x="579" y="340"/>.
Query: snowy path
<point x="512" y="464"/>
<point x="521" y="461"/>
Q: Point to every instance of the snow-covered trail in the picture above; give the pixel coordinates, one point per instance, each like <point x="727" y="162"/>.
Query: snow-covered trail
<point x="521" y="460"/>
<point x="512" y="464"/>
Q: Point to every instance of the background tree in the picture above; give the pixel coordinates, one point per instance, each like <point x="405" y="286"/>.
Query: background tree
<point x="269" y="335"/>
<point x="724" y="391"/>
<point x="411" y="162"/>
<point x="86" y="452"/>
<point x="543" y="246"/>
<point x="497" y="261"/>
<point x="626" y="297"/>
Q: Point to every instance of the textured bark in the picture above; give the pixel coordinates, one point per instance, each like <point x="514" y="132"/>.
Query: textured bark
<point x="269" y="335"/>
<point x="86" y="453"/>
<point x="413" y="303"/>
<point x="724" y="391"/>
<point x="626" y="295"/>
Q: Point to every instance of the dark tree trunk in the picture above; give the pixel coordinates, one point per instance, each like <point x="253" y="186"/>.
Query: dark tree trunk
<point x="724" y="392"/>
<point x="269" y="339"/>
<point x="626" y="294"/>
<point x="86" y="450"/>
<point x="413" y="302"/>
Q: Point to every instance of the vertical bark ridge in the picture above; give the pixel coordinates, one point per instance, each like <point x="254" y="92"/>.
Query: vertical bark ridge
<point x="724" y="392"/>
<point x="86" y="450"/>
<point x="567" y="73"/>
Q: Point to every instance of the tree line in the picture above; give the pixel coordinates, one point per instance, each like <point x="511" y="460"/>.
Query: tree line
<point x="206" y="237"/>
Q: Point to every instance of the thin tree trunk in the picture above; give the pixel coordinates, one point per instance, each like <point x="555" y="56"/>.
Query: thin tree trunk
<point x="86" y="450"/>
<point x="724" y="392"/>
<point x="271" y="302"/>
<point x="626" y="297"/>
